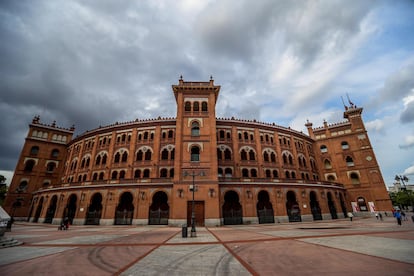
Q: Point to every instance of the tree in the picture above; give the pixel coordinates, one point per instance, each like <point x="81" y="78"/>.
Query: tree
<point x="403" y="199"/>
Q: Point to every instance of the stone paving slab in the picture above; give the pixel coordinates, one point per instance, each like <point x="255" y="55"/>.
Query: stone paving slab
<point x="394" y="249"/>
<point x="188" y="260"/>
<point x="21" y="253"/>
<point x="92" y="239"/>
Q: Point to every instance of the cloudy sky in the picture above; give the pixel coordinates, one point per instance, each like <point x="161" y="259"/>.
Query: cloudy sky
<point x="92" y="63"/>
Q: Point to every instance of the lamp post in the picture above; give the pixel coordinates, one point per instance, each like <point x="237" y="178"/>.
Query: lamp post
<point x="193" y="228"/>
<point x="403" y="178"/>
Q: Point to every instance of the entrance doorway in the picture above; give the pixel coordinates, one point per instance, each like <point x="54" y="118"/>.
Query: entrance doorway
<point x="314" y="204"/>
<point x="264" y="208"/>
<point x="124" y="210"/>
<point x="232" y="209"/>
<point x="51" y="210"/>
<point x="93" y="215"/>
<point x="198" y="212"/>
<point x="159" y="211"/>
<point x="292" y="207"/>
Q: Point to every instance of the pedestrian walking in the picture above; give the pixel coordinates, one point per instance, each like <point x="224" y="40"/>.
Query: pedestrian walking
<point x="380" y="215"/>
<point x="397" y="215"/>
<point x="350" y="215"/>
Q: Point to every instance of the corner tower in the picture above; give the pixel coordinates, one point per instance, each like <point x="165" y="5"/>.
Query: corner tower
<point x="196" y="152"/>
<point x="40" y="166"/>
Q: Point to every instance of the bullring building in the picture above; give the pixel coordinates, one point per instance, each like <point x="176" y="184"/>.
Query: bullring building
<point x="229" y="171"/>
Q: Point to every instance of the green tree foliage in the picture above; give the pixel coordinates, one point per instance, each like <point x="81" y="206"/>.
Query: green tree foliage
<point x="403" y="198"/>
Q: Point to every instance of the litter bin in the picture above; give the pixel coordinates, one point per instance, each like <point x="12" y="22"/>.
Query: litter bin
<point x="184" y="231"/>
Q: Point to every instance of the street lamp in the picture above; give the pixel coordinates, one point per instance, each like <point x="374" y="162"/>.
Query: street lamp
<point x="193" y="228"/>
<point x="404" y="179"/>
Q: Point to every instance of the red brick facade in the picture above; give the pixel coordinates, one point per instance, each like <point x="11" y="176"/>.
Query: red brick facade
<point x="142" y="172"/>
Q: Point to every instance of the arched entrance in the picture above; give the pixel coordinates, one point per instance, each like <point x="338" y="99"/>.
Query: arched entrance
<point x="51" y="210"/>
<point x="70" y="210"/>
<point x="264" y="208"/>
<point x="362" y="204"/>
<point x="124" y="210"/>
<point x="232" y="209"/>
<point x="314" y="204"/>
<point x="159" y="211"/>
<point x="331" y="205"/>
<point x="94" y="213"/>
<point x="38" y="210"/>
<point x="292" y="207"/>
<point x="343" y="206"/>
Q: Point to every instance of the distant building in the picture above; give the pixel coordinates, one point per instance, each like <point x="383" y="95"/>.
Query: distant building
<point x="397" y="187"/>
<point x="142" y="172"/>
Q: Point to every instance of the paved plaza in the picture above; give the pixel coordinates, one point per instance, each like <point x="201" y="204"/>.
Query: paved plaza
<point x="339" y="247"/>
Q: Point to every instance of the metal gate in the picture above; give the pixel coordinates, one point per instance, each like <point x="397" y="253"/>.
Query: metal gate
<point x="123" y="217"/>
<point x="266" y="215"/>
<point x="158" y="217"/>
<point x="93" y="217"/>
<point x="232" y="217"/>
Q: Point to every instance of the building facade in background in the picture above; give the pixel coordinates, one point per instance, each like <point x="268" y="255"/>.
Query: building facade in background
<point x="231" y="171"/>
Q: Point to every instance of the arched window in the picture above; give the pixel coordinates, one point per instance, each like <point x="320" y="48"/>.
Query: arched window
<point x="196" y="106"/>
<point x="55" y="153"/>
<point x="195" y="153"/>
<point x="273" y="157"/>
<point x="331" y="178"/>
<point x="117" y="157"/>
<point x="22" y="186"/>
<point x="95" y="177"/>
<point x="245" y="172"/>
<point x="362" y="204"/>
<point x="146" y="135"/>
<point x="122" y="175"/>
<point x="101" y="176"/>
<point x="29" y="165"/>
<point x="227" y="154"/>
<point x="146" y="173"/>
<point x="219" y="154"/>
<point x="354" y="178"/>
<point x="137" y="174"/>
<point x="139" y="155"/>
<point x="268" y="174"/>
<point x="204" y="106"/>
<point x="266" y="157"/>
<point x="114" y="175"/>
<point x="34" y="150"/>
<point x="170" y="134"/>
<point x="171" y="173"/>
<point x="345" y="145"/>
<point x="187" y="106"/>
<point x="195" y="129"/>
<point x="324" y="149"/>
<point x="87" y="161"/>
<point x="228" y="172"/>
<point x="284" y="159"/>
<point x="172" y="154"/>
<point x="163" y="173"/>
<point x="164" y="154"/>
<point x="243" y="155"/>
<point x="104" y="157"/>
<point x="349" y="161"/>
<point x="98" y="160"/>
<point x="50" y="167"/>
<point x="148" y="155"/>
<point x="287" y="174"/>
<point x="246" y="136"/>
<point x="220" y="172"/>
<point x="252" y="155"/>
<point x="327" y="164"/>
<point x="124" y="156"/>
<point x="275" y="174"/>
<point x="253" y="172"/>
